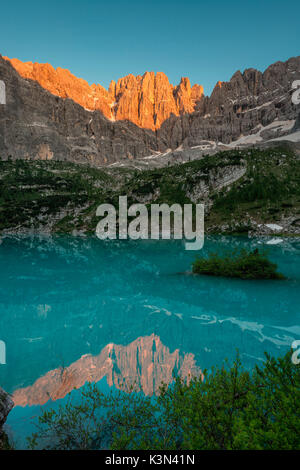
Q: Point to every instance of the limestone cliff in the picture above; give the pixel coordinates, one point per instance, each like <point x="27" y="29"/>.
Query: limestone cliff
<point x="50" y="114"/>
<point x="36" y="124"/>
<point x="253" y="103"/>
<point x="146" y="100"/>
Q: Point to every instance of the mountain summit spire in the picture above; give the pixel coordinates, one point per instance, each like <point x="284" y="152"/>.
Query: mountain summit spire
<point x="146" y="100"/>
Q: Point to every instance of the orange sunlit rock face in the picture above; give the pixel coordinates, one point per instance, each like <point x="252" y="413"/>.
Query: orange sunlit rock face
<point x="146" y="100"/>
<point x="142" y="365"/>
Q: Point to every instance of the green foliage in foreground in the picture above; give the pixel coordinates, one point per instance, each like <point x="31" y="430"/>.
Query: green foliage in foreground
<point x="242" y="264"/>
<point x="229" y="408"/>
<point x="4" y="442"/>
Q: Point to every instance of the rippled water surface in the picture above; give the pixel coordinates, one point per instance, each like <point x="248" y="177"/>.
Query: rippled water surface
<point x="75" y="309"/>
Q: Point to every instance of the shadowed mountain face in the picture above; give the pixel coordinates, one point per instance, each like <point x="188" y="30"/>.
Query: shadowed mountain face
<point x="36" y="124"/>
<point x="143" y="365"/>
<point x="50" y="114"/>
<point x="253" y="104"/>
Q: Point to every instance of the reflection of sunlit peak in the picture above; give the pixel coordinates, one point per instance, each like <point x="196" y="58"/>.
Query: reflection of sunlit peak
<point x="42" y="310"/>
<point x="142" y="365"/>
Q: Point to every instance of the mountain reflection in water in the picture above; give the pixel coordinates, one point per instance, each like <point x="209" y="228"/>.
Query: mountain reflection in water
<point x="143" y="365"/>
<point x="124" y="314"/>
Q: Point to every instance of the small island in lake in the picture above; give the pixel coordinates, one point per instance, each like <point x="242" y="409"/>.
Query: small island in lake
<point x="242" y="264"/>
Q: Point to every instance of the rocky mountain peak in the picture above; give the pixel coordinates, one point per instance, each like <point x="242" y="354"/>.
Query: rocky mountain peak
<point x="47" y="113"/>
<point x="146" y="100"/>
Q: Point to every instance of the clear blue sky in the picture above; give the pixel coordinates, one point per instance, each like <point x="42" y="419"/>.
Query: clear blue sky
<point x="99" y="41"/>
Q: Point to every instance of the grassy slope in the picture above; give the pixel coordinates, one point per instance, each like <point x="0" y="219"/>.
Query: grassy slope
<point x="269" y="190"/>
<point x="35" y="193"/>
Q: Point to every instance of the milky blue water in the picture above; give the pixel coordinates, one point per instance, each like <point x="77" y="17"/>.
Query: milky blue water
<point x="64" y="297"/>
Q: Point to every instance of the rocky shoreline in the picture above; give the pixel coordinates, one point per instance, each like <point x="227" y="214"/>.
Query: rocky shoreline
<point x="6" y="405"/>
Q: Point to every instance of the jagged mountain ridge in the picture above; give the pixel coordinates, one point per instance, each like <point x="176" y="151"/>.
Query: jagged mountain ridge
<point x="246" y="104"/>
<point x="35" y="123"/>
<point x="146" y="100"/>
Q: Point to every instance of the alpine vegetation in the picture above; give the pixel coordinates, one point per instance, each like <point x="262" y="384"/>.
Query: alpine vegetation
<point x="242" y="264"/>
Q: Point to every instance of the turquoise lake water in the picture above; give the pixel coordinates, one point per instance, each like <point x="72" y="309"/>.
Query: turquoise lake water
<point x="130" y="308"/>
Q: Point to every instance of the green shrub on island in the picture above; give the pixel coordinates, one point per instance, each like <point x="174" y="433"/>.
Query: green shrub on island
<point x="242" y="264"/>
<point x="228" y="408"/>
